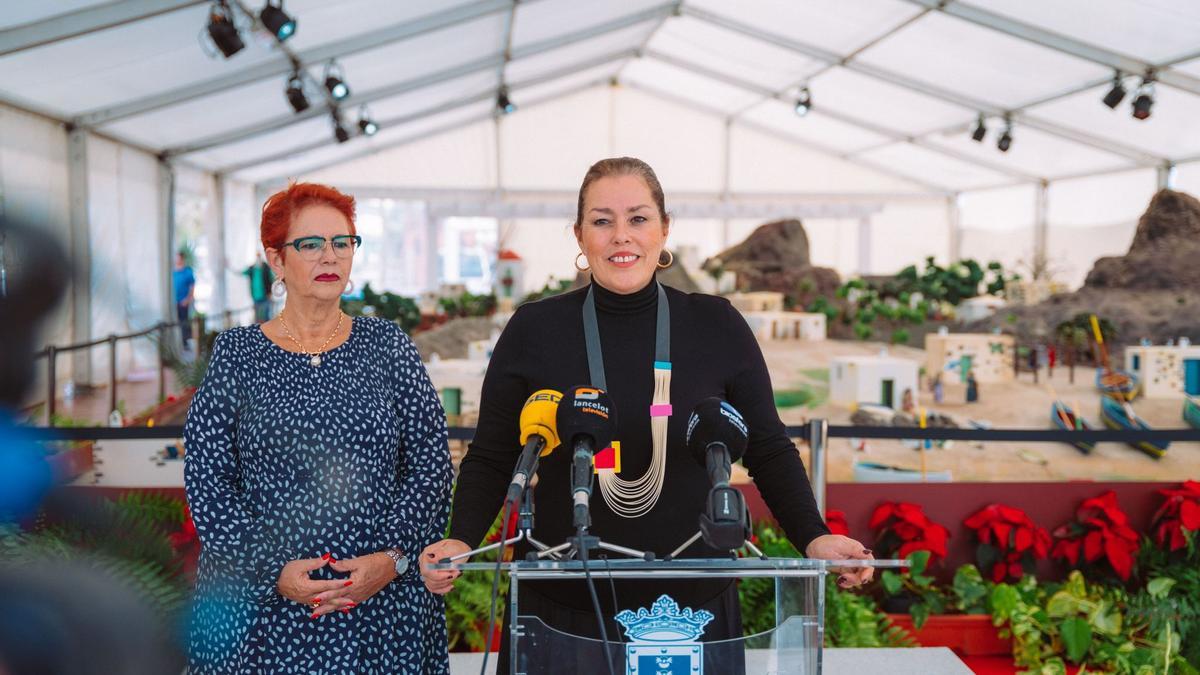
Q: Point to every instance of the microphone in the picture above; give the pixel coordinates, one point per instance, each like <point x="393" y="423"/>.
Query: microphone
<point x="539" y="436"/>
<point x="717" y="436"/>
<point x="587" y="420"/>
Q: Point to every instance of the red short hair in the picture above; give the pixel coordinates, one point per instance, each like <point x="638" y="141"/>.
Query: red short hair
<point x="282" y="207"/>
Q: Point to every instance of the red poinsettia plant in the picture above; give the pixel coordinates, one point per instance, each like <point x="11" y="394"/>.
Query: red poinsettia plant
<point x="494" y="534"/>
<point x="902" y="528"/>
<point x="1099" y="537"/>
<point x="1010" y="543"/>
<point x="836" y="522"/>
<point x="1178" y="519"/>
<point x="186" y="543"/>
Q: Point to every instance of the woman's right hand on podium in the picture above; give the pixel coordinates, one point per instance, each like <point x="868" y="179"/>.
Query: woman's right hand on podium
<point x="441" y="581"/>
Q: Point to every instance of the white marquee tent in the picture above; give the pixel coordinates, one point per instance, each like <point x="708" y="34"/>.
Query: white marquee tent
<point x="120" y="126"/>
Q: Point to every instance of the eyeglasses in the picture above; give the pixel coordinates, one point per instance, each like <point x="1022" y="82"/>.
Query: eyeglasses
<point x="310" y="248"/>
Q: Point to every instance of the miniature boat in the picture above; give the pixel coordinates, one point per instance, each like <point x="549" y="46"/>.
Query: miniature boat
<point x="1119" y="415"/>
<point x="1191" y="412"/>
<point x="1117" y="383"/>
<point x="874" y="472"/>
<point x="1062" y="417"/>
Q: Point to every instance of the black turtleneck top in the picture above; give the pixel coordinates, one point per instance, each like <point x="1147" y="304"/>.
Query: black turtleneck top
<point x="713" y="353"/>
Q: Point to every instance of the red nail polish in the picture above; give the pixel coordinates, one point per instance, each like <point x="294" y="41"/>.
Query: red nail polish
<point x="316" y="601"/>
<point x="346" y="611"/>
<point x="327" y="556"/>
<point x="347" y="583"/>
<point x="314" y="615"/>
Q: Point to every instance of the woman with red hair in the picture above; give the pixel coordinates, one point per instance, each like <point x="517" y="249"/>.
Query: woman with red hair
<point x="317" y="464"/>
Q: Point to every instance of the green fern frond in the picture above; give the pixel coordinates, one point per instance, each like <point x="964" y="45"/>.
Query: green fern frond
<point x="162" y="509"/>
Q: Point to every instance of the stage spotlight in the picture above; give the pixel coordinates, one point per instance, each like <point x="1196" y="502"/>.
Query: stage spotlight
<point x="803" y="101"/>
<point x="295" y="92"/>
<point x="366" y="125"/>
<point x="503" y="103"/>
<point x="1117" y="94"/>
<point x="1005" y="140"/>
<point x="221" y="29"/>
<point x="277" y="21"/>
<point x="980" y="131"/>
<point x="334" y="81"/>
<point x="1144" y="99"/>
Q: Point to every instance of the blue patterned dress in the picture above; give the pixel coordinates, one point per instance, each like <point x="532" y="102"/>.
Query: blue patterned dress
<point x="288" y="461"/>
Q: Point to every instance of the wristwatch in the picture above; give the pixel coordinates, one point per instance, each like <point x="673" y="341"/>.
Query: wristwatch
<point x="400" y="560"/>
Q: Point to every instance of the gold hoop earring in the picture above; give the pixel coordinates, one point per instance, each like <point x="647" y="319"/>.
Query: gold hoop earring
<point x="581" y="269"/>
<point x="670" y="260"/>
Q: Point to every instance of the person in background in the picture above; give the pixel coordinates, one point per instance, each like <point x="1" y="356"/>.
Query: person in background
<point x="184" y="281"/>
<point x="260" y="277"/>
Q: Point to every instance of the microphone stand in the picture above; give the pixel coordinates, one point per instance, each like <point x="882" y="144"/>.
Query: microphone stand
<point x="691" y="540"/>
<point x="574" y="544"/>
<point x="588" y="542"/>
<point x="524" y="532"/>
<point x="699" y="533"/>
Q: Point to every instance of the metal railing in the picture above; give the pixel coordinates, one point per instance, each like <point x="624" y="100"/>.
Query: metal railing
<point x="815" y="434"/>
<point x="199" y="324"/>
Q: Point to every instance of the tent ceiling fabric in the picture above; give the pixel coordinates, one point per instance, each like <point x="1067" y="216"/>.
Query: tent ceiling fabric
<point x="895" y="83"/>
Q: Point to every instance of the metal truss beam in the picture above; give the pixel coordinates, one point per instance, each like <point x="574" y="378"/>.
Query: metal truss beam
<point x="1061" y="43"/>
<point x="375" y="149"/>
<point x="100" y="17"/>
<point x="486" y="95"/>
<point x="894" y="135"/>
<point x="487" y="63"/>
<point x="281" y="67"/>
<point x="931" y="90"/>
<point x="940" y="190"/>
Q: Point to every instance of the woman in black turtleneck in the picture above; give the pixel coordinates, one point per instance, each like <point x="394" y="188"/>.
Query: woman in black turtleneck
<point x="622" y="228"/>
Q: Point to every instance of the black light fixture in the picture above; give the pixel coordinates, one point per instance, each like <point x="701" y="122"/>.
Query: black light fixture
<point x="334" y="81"/>
<point x="1005" y="140"/>
<point x="339" y="131"/>
<point x="1117" y="94"/>
<point x="803" y="101"/>
<point x="504" y="104"/>
<point x="366" y="125"/>
<point x="281" y="25"/>
<point x="295" y="92"/>
<point x="980" y="130"/>
<point x="1144" y="98"/>
<point x="222" y="30"/>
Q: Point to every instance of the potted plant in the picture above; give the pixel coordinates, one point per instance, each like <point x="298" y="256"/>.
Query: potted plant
<point x="901" y="528"/>
<point x="1094" y="625"/>
<point x="1169" y="560"/>
<point x="851" y="618"/>
<point x="127" y="539"/>
<point x="1102" y="534"/>
<point x="935" y="616"/>
<point x="469" y="606"/>
<point x="1175" y="522"/>
<point x="956" y="616"/>
<point x="1010" y="543"/>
